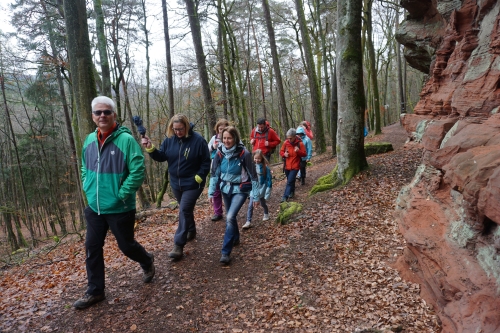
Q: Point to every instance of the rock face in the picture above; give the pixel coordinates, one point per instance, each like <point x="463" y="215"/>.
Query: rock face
<point x="450" y="213"/>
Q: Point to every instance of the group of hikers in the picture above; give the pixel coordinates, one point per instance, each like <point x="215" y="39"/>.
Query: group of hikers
<point x="113" y="170"/>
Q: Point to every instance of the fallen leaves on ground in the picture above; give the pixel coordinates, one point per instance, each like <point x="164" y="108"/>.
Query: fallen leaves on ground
<point x="328" y="271"/>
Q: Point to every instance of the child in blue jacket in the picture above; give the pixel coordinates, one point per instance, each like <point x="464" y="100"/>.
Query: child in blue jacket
<point x="265" y="185"/>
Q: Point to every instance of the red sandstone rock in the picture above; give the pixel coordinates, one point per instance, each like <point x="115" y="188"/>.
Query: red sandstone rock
<point x="450" y="213"/>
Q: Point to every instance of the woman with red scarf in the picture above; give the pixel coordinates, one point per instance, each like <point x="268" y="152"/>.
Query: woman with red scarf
<point x="292" y="151"/>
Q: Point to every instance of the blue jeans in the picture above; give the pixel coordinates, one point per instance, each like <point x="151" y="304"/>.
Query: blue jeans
<point x="233" y="203"/>
<point x="250" y="208"/>
<point x="122" y="226"/>
<point x="187" y="201"/>
<point x="290" y="182"/>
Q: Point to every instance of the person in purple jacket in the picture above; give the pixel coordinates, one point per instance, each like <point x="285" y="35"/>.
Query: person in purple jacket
<point x="186" y="153"/>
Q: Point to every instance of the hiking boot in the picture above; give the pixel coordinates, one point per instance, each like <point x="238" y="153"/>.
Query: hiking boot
<point x="265" y="217"/>
<point x="236" y="242"/>
<point x="176" y="252"/>
<point x="283" y="199"/>
<point x="148" y="274"/>
<point x="225" y="259"/>
<point x="247" y="225"/>
<point x="88" y="300"/>
<point x="216" y="217"/>
<point x="191" y="235"/>
<point x="291" y="195"/>
<point x="302" y="181"/>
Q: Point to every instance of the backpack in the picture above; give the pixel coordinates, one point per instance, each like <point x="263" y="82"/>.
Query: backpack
<point x="244" y="186"/>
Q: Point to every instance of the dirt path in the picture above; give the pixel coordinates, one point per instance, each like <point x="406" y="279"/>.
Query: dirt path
<point x="328" y="271"/>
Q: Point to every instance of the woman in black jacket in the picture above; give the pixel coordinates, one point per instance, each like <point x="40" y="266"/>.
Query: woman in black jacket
<point x="186" y="153"/>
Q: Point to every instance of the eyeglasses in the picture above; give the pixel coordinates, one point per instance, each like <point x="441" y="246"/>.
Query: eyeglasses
<point x="99" y="112"/>
<point x="178" y="129"/>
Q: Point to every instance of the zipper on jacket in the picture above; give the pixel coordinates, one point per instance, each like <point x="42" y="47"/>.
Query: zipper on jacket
<point x="98" y="171"/>
<point x="179" y="163"/>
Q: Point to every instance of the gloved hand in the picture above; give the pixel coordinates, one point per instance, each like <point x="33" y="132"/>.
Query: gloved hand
<point x="309" y="164"/>
<point x="198" y="179"/>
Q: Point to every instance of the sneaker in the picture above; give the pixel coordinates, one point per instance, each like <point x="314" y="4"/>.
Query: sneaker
<point x="88" y="300"/>
<point x="291" y="195"/>
<point x="236" y="242"/>
<point x="283" y="199"/>
<point x="247" y="225"/>
<point x="148" y="274"/>
<point x="191" y="235"/>
<point x="216" y="217"/>
<point x="266" y="217"/>
<point x="224" y="259"/>
<point x="176" y="252"/>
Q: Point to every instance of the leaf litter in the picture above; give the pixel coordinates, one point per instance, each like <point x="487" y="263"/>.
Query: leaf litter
<point x="327" y="271"/>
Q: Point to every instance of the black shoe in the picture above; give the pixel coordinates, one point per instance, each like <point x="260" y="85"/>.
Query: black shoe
<point x="216" y="217"/>
<point x="176" y="252"/>
<point x="148" y="274"/>
<point x="88" y="300"/>
<point x="225" y="259"/>
<point x="191" y="235"/>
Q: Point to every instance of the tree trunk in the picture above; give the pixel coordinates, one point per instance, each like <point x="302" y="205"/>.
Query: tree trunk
<point x="313" y="80"/>
<point x="400" y="71"/>
<point x="102" y="47"/>
<point x="170" y="80"/>
<point x="71" y="138"/>
<point x="334" y="108"/>
<point x="372" y="65"/>
<point x="276" y="66"/>
<point x="350" y="155"/>
<point x="80" y="60"/>
<point x="194" y="23"/>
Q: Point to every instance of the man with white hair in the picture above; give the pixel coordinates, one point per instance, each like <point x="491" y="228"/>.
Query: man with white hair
<point x="112" y="172"/>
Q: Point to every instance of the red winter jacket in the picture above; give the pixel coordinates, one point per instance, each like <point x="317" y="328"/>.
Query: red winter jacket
<point x="260" y="140"/>
<point x="292" y="162"/>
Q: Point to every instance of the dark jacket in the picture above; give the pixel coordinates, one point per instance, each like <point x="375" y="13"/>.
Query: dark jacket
<point x="186" y="158"/>
<point x="111" y="175"/>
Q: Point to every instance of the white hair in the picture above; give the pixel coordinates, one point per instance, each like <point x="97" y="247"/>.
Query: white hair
<point x="291" y="132"/>
<point x="103" y="100"/>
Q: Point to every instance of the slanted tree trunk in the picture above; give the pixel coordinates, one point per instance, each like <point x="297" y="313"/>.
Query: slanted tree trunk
<point x="194" y="23"/>
<point x="170" y="80"/>
<point x="313" y="80"/>
<point x="350" y="154"/>
<point x="276" y="66"/>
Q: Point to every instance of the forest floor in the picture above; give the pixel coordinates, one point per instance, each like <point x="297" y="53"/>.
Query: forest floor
<point x="330" y="270"/>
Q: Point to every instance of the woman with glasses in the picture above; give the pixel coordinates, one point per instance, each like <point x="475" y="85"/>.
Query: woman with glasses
<point x="186" y="153"/>
<point x="234" y="173"/>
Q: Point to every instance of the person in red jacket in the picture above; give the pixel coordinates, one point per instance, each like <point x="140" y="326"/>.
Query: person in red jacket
<point x="292" y="152"/>
<point x="307" y="128"/>
<point x="263" y="137"/>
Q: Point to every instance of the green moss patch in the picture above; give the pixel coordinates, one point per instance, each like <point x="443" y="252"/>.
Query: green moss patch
<point x="373" y="148"/>
<point x="287" y="210"/>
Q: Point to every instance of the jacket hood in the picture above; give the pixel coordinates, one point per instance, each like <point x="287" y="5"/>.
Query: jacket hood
<point x="300" y="130"/>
